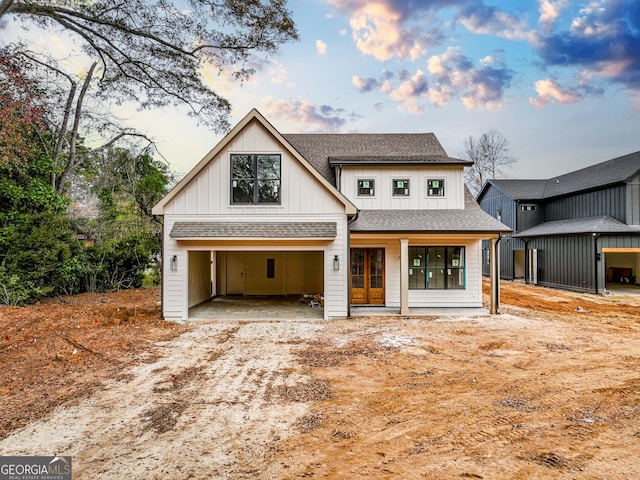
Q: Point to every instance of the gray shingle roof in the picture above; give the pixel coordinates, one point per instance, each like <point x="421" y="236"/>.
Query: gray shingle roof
<point x="522" y="189"/>
<point x="612" y="171"/>
<point x="471" y="219"/>
<point x="317" y="148"/>
<point x="182" y="230"/>
<point x="605" y="224"/>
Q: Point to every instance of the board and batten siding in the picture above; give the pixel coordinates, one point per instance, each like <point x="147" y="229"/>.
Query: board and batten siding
<point x="418" y="200"/>
<point x="209" y="192"/>
<point x="633" y="201"/>
<point x="610" y="201"/>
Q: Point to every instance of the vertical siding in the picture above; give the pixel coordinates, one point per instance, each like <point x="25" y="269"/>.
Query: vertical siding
<point x="418" y="200"/>
<point x="566" y="261"/>
<point x="209" y="192"/>
<point x="610" y="201"/>
<point x="633" y="201"/>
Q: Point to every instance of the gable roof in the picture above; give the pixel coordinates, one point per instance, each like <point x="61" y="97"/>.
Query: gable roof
<point x="326" y="150"/>
<point x="611" y="172"/>
<point x="254" y="116"/>
<point x="471" y="219"/>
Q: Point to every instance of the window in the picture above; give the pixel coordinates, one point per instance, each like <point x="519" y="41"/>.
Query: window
<point x="527" y="208"/>
<point x="435" y="188"/>
<point x="255" y="179"/>
<point x="366" y="187"/>
<point x="271" y="268"/>
<point x="400" y="187"/>
<point x="499" y="214"/>
<point x="436" y="268"/>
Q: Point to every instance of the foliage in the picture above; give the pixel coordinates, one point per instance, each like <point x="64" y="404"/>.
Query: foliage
<point x="20" y="111"/>
<point x="154" y="52"/>
<point x="491" y="157"/>
<point x="127" y="238"/>
<point x="39" y="257"/>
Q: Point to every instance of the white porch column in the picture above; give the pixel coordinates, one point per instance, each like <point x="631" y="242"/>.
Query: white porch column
<point x="404" y="276"/>
<point x="494" y="262"/>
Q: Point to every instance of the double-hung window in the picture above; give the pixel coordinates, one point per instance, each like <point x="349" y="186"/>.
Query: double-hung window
<point x="255" y="179"/>
<point x="435" y="187"/>
<point x="400" y="187"/>
<point x="366" y="187"/>
<point x="436" y="268"/>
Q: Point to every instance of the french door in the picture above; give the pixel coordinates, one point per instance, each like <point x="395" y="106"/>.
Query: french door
<point x="367" y="276"/>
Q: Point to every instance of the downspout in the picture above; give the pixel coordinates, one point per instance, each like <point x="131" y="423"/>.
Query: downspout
<point x="348" y="261"/>
<point x="495" y="278"/>
<point x="527" y="266"/>
<point x="595" y="261"/>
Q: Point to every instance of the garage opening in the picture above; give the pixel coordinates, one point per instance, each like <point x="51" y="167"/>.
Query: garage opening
<point x="622" y="269"/>
<point x="256" y="284"/>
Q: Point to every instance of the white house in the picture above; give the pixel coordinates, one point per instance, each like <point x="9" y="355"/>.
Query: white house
<point x="365" y="219"/>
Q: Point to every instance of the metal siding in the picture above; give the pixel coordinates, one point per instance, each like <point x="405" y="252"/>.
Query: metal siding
<point x="633" y="201"/>
<point x="492" y="201"/>
<point x="607" y="201"/>
<point x="565" y="261"/>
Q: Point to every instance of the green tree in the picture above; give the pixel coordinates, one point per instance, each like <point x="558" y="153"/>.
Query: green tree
<point x="127" y="235"/>
<point x="153" y="52"/>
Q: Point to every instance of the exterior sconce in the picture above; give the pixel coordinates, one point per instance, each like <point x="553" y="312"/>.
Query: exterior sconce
<point x="336" y="263"/>
<point x="173" y="263"/>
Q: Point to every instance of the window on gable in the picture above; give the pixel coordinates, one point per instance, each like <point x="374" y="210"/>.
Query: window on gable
<point x="255" y="179"/>
<point x="400" y="187"/>
<point x="436" y="268"/>
<point x="435" y="187"/>
<point x="366" y="187"/>
<point x="499" y="214"/>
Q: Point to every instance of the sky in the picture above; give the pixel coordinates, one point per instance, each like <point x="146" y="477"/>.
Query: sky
<point x="559" y="79"/>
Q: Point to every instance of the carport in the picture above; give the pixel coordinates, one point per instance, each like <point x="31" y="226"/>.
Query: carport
<point x="254" y="271"/>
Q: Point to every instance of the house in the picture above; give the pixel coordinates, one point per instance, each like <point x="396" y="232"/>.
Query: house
<point x="577" y="231"/>
<point x="364" y="219"/>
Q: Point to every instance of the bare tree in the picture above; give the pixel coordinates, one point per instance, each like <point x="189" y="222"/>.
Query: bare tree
<point x="490" y="156"/>
<point x="153" y="51"/>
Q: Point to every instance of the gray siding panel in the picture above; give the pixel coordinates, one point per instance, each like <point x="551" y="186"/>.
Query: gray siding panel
<point x="566" y="261"/>
<point x="633" y="201"/>
<point x="607" y="201"/>
<point x="620" y="241"/>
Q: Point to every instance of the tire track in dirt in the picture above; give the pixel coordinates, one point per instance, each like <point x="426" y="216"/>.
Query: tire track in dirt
<point x="204" y="408"/>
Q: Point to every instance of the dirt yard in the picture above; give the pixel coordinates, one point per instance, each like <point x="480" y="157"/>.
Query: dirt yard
<point x="549" y="389"/>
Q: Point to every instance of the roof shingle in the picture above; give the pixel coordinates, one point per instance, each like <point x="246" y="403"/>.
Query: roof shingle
<point x="183" y="230"/>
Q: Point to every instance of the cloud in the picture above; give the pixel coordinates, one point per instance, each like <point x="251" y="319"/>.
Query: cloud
<point x="602" y="39"/>
<point x="550" y="11"/>
<point x="387" y="29"/>
<point x="481" y="19"/>
<point x="321" y="47"/>
<point x="549" y="91"/>
<point x="449" y="76"/>
<point x="306" y="116"/>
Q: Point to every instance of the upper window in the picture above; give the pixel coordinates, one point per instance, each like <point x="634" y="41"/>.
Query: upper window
<point x="366" y="187"/>
<point x="255" y="179"/>
<point x="435" y="187"/>
<point x="400" y="187"/>
<point x="436" y="268"/>
<point x="499" y="214"/>
<point x="527" y="208"/>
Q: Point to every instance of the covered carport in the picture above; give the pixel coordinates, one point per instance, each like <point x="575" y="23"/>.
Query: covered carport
<point x="256" y="270"/>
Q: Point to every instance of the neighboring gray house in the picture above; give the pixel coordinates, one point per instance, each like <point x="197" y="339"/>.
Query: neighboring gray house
<point x="577" y="231"/>
<point x="364" y="219"/>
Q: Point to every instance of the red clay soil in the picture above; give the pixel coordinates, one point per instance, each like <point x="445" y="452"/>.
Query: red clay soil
<point x="61" y="349"/>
